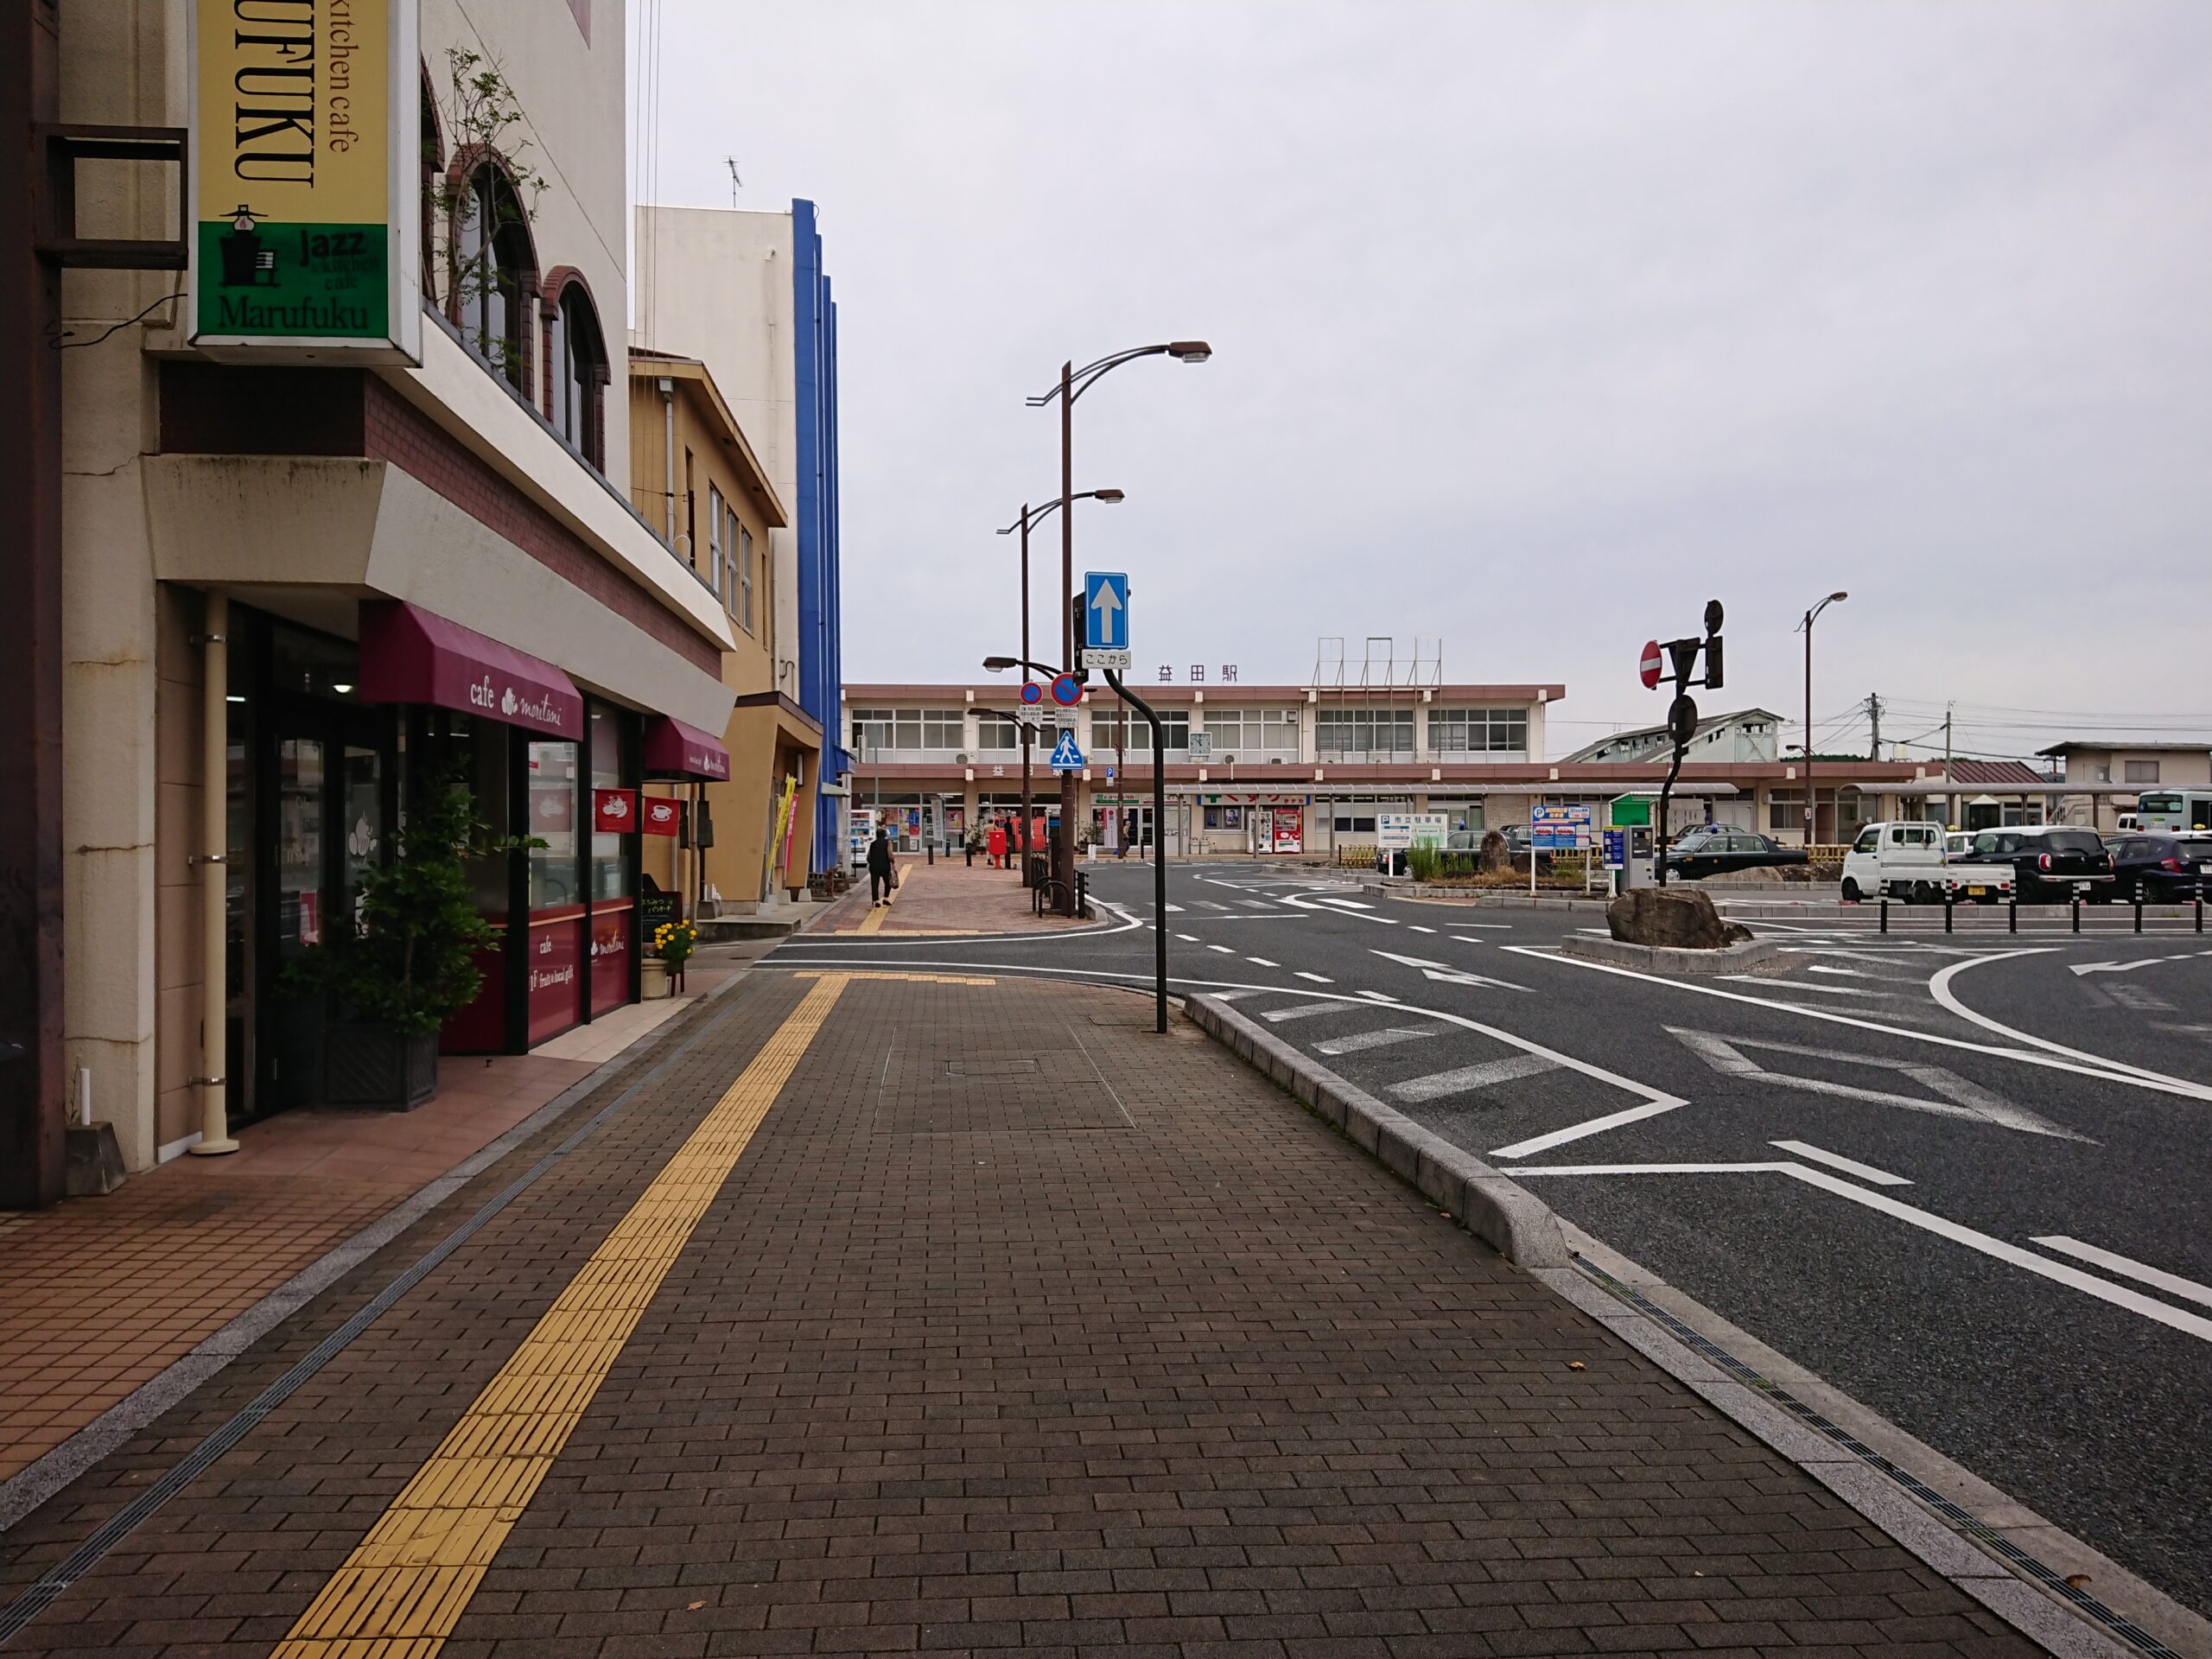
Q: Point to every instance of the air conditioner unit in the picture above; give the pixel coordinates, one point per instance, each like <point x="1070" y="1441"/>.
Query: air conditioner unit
<point x="960" y="760"/>
<point x="1225" y="760"/>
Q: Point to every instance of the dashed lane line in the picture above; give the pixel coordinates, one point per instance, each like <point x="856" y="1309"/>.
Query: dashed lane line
<point x="1319" y="979"/>
<point x="2172" y="1283"/>
<point x="1360" y="1041"/>
<point x="1466" y="1079"/>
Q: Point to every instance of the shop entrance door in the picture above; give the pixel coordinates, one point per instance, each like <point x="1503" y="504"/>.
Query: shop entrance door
<point x="327" y="799"/>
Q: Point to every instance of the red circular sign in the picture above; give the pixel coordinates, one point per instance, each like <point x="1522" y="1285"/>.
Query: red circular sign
<point x="1652" y="665"/>
<point x="1066" y="692"/>
<point x="1032" y="692"/>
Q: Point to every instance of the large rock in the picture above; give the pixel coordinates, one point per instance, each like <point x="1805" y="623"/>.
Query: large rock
<point x="1675" y="918"/>
<point x="1493" y="857"/>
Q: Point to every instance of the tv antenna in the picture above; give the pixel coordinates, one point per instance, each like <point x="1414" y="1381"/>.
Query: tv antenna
<point x="730" y="162"/>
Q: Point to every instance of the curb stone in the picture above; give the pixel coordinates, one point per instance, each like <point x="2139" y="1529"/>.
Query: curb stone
<point x="1504" y="1215"/>
<point x="30" y="1486"/>
<point x="1523" y="1229"/>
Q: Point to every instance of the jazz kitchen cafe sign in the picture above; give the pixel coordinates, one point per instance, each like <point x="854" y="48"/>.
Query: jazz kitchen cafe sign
<point x="306" y="140"/>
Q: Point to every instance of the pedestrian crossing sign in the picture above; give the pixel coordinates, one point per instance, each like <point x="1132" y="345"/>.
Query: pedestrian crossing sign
<point x="1065" y="756"/>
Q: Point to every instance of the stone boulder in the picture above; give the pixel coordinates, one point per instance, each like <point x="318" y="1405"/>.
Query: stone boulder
<point x="1493" y="857"/>
<point x="1675" y="918"/>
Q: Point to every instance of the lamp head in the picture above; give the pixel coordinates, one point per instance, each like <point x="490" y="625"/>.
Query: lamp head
<point x="1838" y="595"/>
<point x="994" y="664"/>
<point x="1106" y="495"/>
<point x="1189" y="350"/>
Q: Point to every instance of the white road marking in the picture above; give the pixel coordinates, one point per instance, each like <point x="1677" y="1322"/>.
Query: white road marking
<point x="1261" y="962"/>
<point x="2126" y="967"/>
<point x="2103" y="1069"/>
<point x="1800" y="985"/>
<point x="1467" y="1079"/>
<point x="1594" y="1126"/>
<point x="1828" y="968"/>
<point x="2172" y="1283"/>
<point x="1456" y="940"/>
<point x="1940" y="989"/>
<point x="1415" y="927"/>
<point x="1319" y="979"/>
<point x="1223" y="949"/>
<point x="1304" y="1011"/>
<point x="1961" y="1097"/>
<point x="1188" y="938"/>
<point x="1837" y="1161"/>
<point x="1366" y="1040"/>
<point x="1173" y="907"/>
<point x="1410" y="962"/>
<point x="1348" y="904"/>
<point x="1211" y="904"/>
<point x="1454" y="976"/>
<point x="1256" y="904"/>
<point x="2103" y="1290"/>
<point x="1377" y="997"/>
<point x="1501" y="927"/>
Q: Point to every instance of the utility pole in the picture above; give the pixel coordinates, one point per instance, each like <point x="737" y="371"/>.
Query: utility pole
<point x="1873" y="726"/>
<point x="1950" y="795"/>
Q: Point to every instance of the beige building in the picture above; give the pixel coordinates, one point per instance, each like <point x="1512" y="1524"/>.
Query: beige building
<point x="2109" y="778"/>
<point x="307" y="577"/>
<point x="694" y="471"/>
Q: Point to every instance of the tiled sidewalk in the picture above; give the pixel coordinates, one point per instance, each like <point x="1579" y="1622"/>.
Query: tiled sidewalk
<point x="99" y="1295"/>
<point x="948" y="896"/>
<point x="1015" y="1327"/>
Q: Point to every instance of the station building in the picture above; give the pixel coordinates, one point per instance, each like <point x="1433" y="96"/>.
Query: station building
<point x="1305" y="770"/>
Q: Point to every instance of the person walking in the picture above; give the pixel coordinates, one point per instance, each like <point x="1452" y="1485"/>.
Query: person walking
<point x="882" y="875"/>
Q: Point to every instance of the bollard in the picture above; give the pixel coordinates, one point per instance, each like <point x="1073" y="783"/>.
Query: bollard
<point x="2075" y="905"/>
<point x="2012" y="915"/>
<point x="928" y="852"/>
<point x="2139" y="912"/>
<point x="1885" y="912"/>
<point x="1947" y="910"/>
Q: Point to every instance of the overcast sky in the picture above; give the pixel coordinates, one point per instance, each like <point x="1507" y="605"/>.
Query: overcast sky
<point x="1537" y="324"/>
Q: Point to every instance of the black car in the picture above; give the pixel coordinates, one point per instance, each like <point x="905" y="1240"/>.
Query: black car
<point x="2161" y="867"/>
<point x="2050" y="864"/>
<point x="1712" y="849"/>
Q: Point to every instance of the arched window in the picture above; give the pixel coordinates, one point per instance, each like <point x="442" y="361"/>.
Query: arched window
<point x="494" y="272"/>
<point x="576" y="373"/>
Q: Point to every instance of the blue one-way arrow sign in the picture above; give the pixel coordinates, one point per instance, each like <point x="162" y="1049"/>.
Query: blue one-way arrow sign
<point x="1065" y="756"/>
<point x="1105" y="610"/>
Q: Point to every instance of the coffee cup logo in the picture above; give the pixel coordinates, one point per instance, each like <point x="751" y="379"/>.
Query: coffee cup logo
<point x="507" y="703"/>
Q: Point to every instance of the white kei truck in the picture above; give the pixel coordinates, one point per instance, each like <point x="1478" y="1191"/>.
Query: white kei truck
<point x="1906" y="859"/>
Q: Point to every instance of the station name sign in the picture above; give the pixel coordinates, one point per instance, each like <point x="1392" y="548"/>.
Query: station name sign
<point x="306" y="135"/>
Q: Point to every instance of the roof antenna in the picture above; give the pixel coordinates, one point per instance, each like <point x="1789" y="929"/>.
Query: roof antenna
<point x="731" y="162"/>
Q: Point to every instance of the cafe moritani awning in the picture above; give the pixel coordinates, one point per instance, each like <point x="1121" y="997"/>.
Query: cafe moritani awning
<point x="412" y="655"/>
<point x="674" y="750"/>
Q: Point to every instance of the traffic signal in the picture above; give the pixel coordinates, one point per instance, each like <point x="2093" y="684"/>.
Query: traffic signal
<point x="1713" y="664"/>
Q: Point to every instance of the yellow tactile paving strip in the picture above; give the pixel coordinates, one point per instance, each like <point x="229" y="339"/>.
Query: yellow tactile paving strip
<point x="406" y="1586"/>
<point x="873" y="922"/>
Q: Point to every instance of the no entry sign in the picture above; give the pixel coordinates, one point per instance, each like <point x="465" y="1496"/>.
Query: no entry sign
<point x="1652" y="664"/>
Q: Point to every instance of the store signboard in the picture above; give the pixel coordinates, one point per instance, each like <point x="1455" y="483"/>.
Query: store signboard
<point x="614" y="811"/>
<point x="306" y="170"/>
<point x="661" y="816"/>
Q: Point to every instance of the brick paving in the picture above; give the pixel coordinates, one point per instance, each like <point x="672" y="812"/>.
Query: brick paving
<point x="1016" y="1328"/>
<point x="949" y="896"/>
<point x="99" y="1295"/>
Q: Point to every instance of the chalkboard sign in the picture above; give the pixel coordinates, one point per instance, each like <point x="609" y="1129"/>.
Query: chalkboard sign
<point x="655" y="908"/>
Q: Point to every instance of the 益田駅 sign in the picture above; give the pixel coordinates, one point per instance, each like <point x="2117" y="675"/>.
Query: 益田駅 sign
<point x="305" y="139"/>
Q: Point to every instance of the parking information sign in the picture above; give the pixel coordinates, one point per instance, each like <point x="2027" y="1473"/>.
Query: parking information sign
<point x="1616" y="849"/>
<point x="1559" y="828"/>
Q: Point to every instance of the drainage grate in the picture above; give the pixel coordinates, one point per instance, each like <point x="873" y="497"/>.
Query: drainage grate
<point x="1998" y="1545"/>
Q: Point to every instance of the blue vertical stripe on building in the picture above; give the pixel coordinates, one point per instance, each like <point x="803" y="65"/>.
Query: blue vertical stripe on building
<point x="821" y="665"/>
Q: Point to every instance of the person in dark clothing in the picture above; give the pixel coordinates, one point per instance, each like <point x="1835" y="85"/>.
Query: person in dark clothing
<point x="881" y="877"/>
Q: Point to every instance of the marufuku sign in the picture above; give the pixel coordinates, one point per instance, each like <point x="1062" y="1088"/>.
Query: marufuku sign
<point x="306" y="127"/>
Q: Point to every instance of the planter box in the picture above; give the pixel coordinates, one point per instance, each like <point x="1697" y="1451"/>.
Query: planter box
<point x="652" y="980"/>
<point x="376" y="1068"/>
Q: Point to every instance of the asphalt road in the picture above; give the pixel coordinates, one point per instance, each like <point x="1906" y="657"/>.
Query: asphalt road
<point x="1961" y="1178"/>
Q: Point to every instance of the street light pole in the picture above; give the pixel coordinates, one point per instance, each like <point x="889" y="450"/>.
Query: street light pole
<point x="1073" y="384"/>
<point x="1812" y="797"/>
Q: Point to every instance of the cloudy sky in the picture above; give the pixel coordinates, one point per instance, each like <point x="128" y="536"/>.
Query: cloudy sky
<point x="1537" y="324"/>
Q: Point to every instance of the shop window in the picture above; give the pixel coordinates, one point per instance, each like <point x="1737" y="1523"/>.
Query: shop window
<point x="554" y="787"/>
<point x="610" y="870"/>
<point x="576" y="375"/>
<point x="744" y="578"/>
<point x="494" y="269"/>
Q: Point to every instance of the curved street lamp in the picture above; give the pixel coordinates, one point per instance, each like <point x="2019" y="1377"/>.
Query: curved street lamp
<point x="1030" y="517"/>
<point x="1812" y="801"/>
<point x="1074" y="383"/>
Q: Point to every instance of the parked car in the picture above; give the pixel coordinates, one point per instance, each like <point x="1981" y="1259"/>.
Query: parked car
<point x="1908" y="860"/>
<point x="2153" y="866"/>
<point x="2053" y="863"/>
<point x="1713" y="849"/>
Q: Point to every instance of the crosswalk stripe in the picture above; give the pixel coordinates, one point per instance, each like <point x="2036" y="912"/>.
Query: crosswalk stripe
<point x="1467" y="1078"/>
<point x="1304" y="1011"/>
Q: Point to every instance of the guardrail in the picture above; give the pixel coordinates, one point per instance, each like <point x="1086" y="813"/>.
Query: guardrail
<point x="1984" y="916"/>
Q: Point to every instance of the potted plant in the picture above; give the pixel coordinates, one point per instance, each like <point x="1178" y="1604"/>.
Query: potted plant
<point x="389" y="984"/>
<point x="673" y="944"/>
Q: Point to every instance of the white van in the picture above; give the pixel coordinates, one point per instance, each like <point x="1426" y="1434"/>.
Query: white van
<point x="1908" y="860"/>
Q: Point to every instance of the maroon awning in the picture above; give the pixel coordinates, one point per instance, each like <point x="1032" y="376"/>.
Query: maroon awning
<point x="412" y="655"/>
<point x="675" y="750"/>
